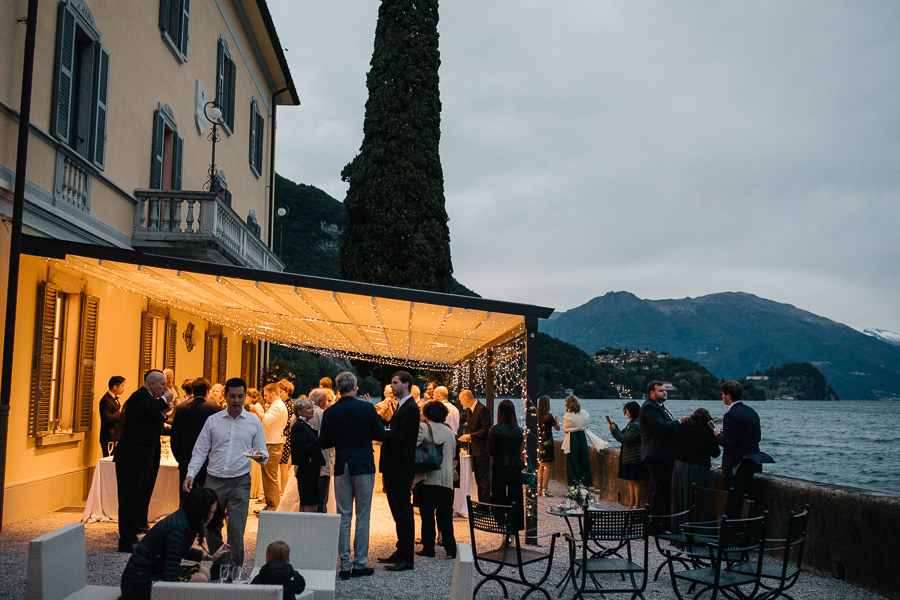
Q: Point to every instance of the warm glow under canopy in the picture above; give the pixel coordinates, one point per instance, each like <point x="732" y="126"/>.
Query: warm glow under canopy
<point x="382" y="323"/>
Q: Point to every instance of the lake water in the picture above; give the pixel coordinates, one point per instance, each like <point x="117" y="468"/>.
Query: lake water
<point x="845" y="443"/>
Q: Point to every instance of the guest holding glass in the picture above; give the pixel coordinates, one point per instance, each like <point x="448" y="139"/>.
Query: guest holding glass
<point x="306" y="454"/>
<point x="436" y="495"/>
<point x="157" y="557"/>
<point x="504" y="446"/>
<point x="631" y="469"/>
<point x="546" y="452"/>
<point x="695" y="445"/>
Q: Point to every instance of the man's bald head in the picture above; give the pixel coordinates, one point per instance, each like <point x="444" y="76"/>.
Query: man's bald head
<point x="440" y="393"/>
<point x="467" y="398"/>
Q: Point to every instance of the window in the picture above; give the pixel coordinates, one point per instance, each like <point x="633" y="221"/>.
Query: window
<point x="225" y="77"/>
<point x="81" y="83"/>
<point x="215" y="355"/>
<point x="159" y="335"/>
<point x="174" y="17"/>
<point x="249" y="365"/>
<point x="168" y="151"/>
<point x="256" y="138"/>
<point x="62" y="380"/>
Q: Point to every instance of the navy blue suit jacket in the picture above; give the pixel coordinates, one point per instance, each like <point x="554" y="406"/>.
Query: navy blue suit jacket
<point x="739" y="436"/>
<point x="657" y="433"/>
<point x="398" y="453"/>
<point x="350" y="426"/>
<point x="142" y="424"/>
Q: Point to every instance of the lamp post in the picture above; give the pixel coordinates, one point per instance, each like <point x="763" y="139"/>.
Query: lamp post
<point x="213" y="113"/>
<point x="281" y="212"/>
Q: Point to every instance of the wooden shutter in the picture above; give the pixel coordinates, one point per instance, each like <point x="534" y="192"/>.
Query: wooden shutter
<point x="101" y="107"/>
<point x="156" y="156"/>
<point x="146" y="357"/>
<point x="253" y="112"/>
<point x="260" y="135"/>
<point x="185" y="22"/>
<point x="65" y="63"/>
<point x="87" y="352"/>
<point x="208" y="356"/>
<point x="232" y="74"/>
<point x="171" y="343"/>
<point x="249" y="367"/>
<point x="177" y="159"/>
<point x="223" y="358"/>
<point x="42" y="367"/>
<point x="221" y="69"/>
<point x="164" y="8"/>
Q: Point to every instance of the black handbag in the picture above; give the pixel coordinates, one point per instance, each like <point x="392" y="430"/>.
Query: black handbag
<point x="429" y="456"/>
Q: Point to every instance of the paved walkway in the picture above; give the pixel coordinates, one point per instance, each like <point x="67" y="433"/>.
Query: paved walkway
<point x="431" y="576"/>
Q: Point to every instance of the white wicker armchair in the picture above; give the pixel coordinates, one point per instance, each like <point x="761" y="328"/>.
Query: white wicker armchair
<point x="313" y="539"/>
<point x="57" y="568"/>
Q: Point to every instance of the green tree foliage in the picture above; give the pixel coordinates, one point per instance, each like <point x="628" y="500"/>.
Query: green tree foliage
<point x="796" y="381"/>
<point x="396" y="223"/>
<point x="308" y="237"/>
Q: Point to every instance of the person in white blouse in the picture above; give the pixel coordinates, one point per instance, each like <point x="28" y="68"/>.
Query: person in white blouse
<point x="229" y="440"/>
<point x="440" y="394"/>
<point x="274" y="421"/>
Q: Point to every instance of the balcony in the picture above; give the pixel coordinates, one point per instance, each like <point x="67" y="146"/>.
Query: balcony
<point x="197" y="225"/>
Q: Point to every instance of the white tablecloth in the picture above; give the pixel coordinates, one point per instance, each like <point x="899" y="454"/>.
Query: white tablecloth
<point x="466" y="484"/>
<point x="103" y="500"/>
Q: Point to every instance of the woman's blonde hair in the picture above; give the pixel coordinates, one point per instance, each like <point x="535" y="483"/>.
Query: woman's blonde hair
<point x="573" y="405"/>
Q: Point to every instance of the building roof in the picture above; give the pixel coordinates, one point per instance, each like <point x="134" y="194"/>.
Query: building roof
<point x="330" y="316"/>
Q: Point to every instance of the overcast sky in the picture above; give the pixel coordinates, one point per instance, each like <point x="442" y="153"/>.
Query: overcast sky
<point x="668" y="149"/>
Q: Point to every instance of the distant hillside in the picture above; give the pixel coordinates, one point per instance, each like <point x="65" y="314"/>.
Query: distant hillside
<point x="735" y="334"/>
<point x="310" y="242"/>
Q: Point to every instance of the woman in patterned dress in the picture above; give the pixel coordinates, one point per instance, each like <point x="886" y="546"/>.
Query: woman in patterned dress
<point x="285" y="389"/>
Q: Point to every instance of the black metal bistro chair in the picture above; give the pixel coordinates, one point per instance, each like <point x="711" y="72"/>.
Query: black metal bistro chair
<point x="735" y="541"/>
<point x="783" y="558"/>
<point x="610" y="573"/>
<point x="490" y="564"/>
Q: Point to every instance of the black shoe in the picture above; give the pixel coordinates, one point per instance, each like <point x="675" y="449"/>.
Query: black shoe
<point x="126" y="547"/>
<point x="344" y="575"/>
<point x="363" y="572"/>
<point x="424" y="552"/>
<point x="144" y="529"/>
<point x="403" y="565"/>
<point x="393" y="558"/>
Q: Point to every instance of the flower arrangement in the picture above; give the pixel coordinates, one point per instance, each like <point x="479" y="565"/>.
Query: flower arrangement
<point x="578" y="493"/>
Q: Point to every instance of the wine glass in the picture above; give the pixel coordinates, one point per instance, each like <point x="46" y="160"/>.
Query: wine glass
<point x="237" y="575"/>
<point x="224" y="573"/>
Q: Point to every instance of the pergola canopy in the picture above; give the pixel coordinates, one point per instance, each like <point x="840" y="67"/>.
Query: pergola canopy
<point x="357" y="320"/>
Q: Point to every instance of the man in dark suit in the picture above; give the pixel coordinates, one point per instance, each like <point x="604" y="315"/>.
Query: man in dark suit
<point x="739" y="438"/>
<point x="137" y="455"/>
<point x="111" y="414"/>
<point x="397" y="465"/>
<point x="658" y="428"/>
<point x="186" y="426"/>
<point x="478" y="420"/>
<point x="350" y="426"/>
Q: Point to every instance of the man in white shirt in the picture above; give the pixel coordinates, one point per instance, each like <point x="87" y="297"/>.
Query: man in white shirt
<point x="440" y="394"/>
<point x="227" y="438"/>
<point x="273" y="422"/>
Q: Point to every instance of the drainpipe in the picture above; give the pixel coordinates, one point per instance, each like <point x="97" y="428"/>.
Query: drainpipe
<point x="15" y="244"/>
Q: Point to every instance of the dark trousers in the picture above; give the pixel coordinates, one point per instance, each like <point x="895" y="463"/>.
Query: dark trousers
<point x="481" y="468"/>
<point x="324" y="484"/>
<point x="398" y="491"/>
<point x="740" y="485"/>
<point x="436" y="505"/>
<point x="506" y="485"/>
<point x="660" y="476"/>
<point x="134" y="486"/>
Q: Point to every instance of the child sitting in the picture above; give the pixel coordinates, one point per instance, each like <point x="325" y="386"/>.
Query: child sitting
<point x="278" y="570"/>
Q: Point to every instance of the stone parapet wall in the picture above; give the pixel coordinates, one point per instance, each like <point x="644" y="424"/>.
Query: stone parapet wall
<point x="852" y="534"/>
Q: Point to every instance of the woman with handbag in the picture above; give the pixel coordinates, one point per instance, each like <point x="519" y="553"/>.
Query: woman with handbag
<point x="436" y="497"/>
<point x="505" y="448"/>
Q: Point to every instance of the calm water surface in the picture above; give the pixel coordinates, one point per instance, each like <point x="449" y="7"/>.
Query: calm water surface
<point x="845" y="443"/>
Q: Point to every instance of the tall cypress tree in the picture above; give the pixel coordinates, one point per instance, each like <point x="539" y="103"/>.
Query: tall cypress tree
<point x="396" y="229"/>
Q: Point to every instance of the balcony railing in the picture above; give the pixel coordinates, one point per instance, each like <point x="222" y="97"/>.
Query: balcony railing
<point x="198" y="225"/>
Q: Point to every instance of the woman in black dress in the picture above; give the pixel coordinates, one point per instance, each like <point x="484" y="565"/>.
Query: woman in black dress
<point x="285" y="391"/>
<point x="306" y="455"/>
<point x="695" y="446"/>
<point x="546" y="452"/>
<point x="631" y="469"/>
<point x="505" y="448"/>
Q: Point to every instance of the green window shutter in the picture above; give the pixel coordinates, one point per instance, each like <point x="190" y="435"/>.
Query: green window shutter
<point x="101" y="84"/>
<point x="185" y="22"/>
<point x="87" y="353"/>
<point x="42" y="368"/>
<point x="260" y="134"/>
<point x="146" y="356"/>
<point x="156" y="157"/>
<point x="164" y="8"/>
<point x="220" y="75"/>
<point x="207" y="357"/>
<point x="223" y="358"/>
<point x="171" y="343"/>
<point x="231" y="92"/>
<point x="65" y="66"/>
<point x="177" y="159"/>
<point x="253" y="136"/>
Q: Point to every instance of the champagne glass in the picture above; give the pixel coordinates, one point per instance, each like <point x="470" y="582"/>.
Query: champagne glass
<point x="110" y="446"/>
<point x="224" y="573"/>
<point x="237" y="575"/>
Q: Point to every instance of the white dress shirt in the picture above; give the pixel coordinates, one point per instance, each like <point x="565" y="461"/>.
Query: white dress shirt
<point x="452" y="416"/>
<point x="274" y="422"/>
<point x="224" y="440"/>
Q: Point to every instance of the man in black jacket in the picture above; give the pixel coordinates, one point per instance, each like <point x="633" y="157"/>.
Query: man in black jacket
<point x="186" y="426"/>
<point x="397" y="466"/>
<point x="739" y="438"/>
<point x="137" y="455"/>
<point x="111" y="414"/>
<point x="658" y="428"/>
<point x="478" y="419"/>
